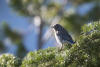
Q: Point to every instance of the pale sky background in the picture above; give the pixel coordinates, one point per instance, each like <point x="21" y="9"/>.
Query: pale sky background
<point x="21" y="23"/>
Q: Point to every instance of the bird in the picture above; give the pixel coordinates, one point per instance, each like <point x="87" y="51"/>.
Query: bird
<point x="61" y="35"/>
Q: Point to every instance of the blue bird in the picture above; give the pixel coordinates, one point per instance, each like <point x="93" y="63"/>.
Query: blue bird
<point x="62" y="36"/>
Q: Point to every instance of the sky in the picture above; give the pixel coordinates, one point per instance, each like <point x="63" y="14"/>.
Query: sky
<point x="22" y="24"/>
<point x="16" y="22"/>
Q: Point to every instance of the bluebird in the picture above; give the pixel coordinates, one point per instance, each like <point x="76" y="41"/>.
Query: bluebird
<point x="61" y="35"/>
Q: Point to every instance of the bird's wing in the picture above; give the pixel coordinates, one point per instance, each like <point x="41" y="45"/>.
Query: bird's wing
<point x="64" y="36"/>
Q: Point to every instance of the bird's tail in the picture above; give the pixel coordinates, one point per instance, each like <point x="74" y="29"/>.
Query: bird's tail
<point x="72" y="42"/>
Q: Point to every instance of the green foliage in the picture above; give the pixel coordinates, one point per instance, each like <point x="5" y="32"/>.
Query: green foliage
<point x="44" y="58"/>
<point x="8" y="60"/>
<point x="84" y="53"/>
<point x="90" y="27"/>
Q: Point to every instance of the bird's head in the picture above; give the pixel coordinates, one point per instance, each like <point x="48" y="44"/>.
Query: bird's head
<point x="57" y="27"/>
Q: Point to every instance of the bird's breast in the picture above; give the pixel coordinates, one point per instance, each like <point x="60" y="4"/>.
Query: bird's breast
<point x="57" y="39"/>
